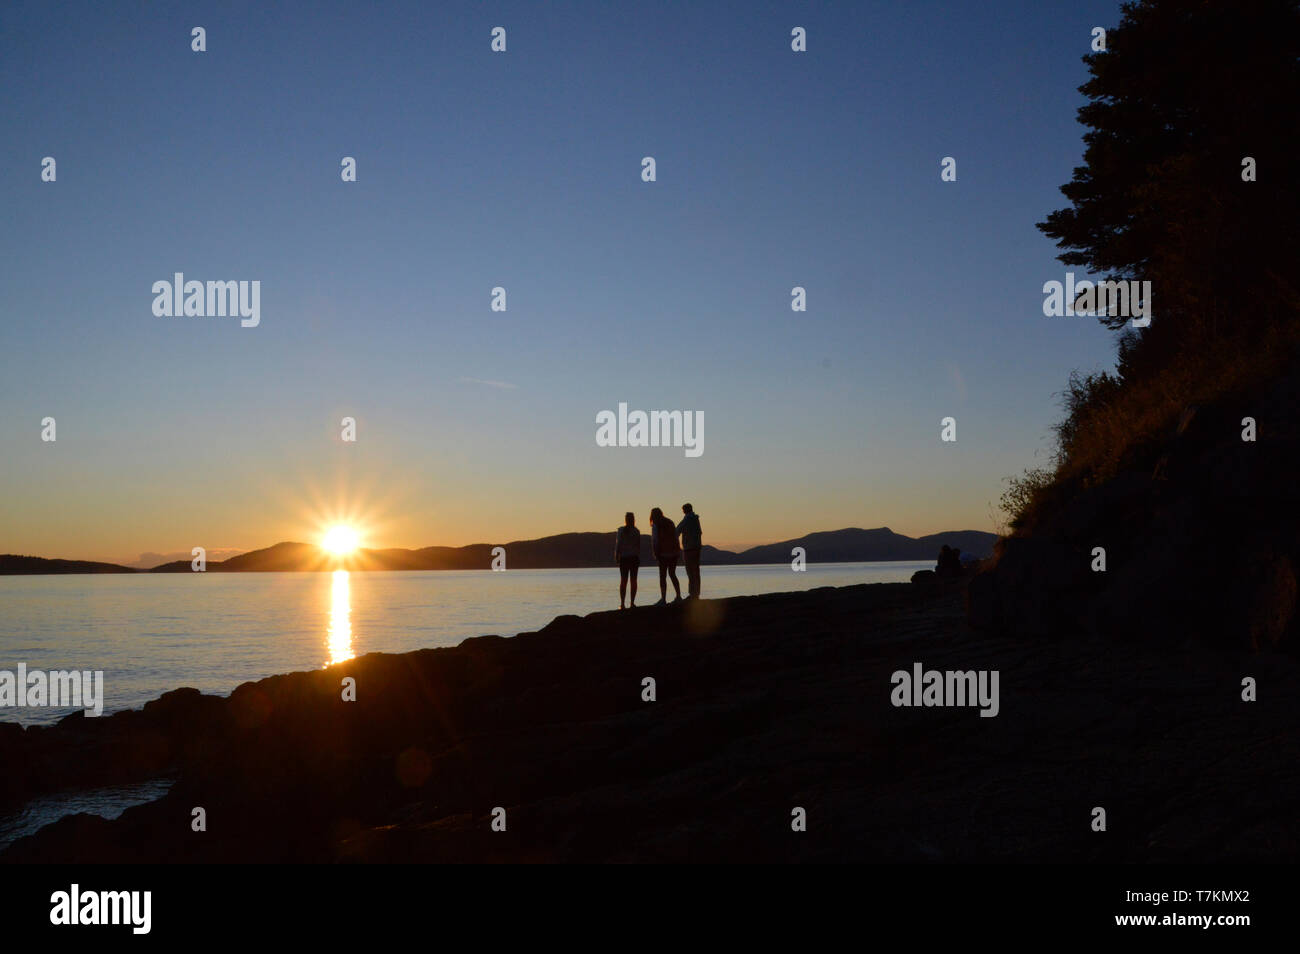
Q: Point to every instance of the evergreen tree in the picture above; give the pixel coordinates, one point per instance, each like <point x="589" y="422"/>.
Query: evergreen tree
<point x="1183" y="93"/>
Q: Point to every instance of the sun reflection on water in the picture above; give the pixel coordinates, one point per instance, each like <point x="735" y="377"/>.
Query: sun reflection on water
<point x="340" y="628"/>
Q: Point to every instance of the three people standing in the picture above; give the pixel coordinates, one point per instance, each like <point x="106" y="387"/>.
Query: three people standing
<point x="666" y="550"/>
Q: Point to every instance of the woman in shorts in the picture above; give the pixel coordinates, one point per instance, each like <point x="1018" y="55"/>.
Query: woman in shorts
<point x="627" y="554"/>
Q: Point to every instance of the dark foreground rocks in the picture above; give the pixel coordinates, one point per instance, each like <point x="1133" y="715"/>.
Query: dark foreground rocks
<point x="1200" y="532"/>
<point x="763" y="705"/>
<point x="80" y="753"/>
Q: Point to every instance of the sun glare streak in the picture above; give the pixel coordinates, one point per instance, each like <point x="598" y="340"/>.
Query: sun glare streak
<point x="340" y="626"/>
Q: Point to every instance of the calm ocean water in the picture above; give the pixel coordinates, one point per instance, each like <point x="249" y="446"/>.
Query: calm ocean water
<point x="150" y="633"/>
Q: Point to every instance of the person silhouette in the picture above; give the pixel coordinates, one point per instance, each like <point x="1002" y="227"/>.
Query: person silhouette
<point x="689" y="529"/>
<point x="949" y="563"/>
<point x="627" y="554"/>
<point x="663" y="544"/>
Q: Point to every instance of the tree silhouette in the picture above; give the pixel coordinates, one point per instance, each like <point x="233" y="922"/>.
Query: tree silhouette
<point x="1185" y="91"/>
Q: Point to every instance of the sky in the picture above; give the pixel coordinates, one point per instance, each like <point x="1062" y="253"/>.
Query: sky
<point x="523" y="170"/>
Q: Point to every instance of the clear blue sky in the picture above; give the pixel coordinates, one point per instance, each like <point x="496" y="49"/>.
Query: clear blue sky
<point x="522" y="169"/>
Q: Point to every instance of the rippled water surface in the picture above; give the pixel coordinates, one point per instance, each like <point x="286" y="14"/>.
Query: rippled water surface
<point x="150" y="633"/>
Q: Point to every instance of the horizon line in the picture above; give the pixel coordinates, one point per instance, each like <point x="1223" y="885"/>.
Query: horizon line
<point x="360" y="549"/>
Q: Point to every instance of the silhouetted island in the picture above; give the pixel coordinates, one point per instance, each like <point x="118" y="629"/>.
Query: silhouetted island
<point x="12" y="564"/>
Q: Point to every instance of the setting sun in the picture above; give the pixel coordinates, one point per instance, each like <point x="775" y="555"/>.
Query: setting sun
<point x="340" y="540"/>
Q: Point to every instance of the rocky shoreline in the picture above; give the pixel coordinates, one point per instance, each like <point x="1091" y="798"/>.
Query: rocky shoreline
<point x="762" y="705"/>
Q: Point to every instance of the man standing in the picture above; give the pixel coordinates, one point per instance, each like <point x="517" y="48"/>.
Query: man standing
<point x="689" y="528"/>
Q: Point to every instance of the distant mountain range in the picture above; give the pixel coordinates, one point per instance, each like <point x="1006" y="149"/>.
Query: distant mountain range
<point x="560" y="551"/>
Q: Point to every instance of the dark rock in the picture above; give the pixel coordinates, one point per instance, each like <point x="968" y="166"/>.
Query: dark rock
<point x="763" y="703"/>
<point x="1201" y="533"/>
